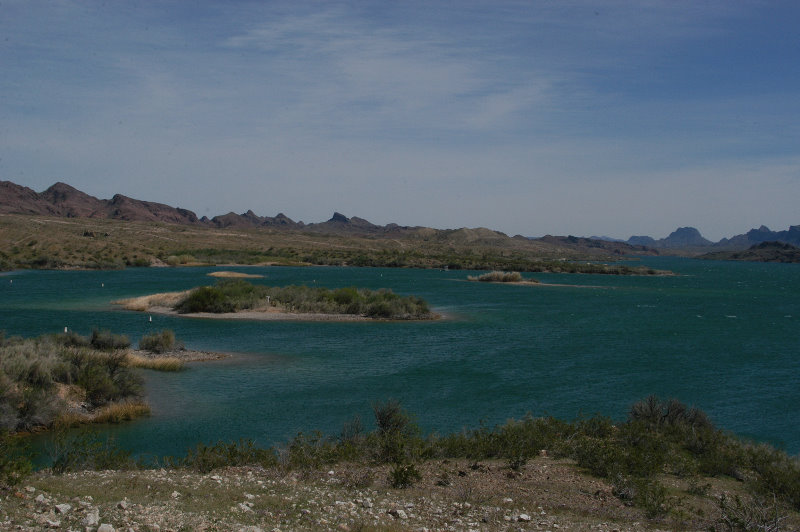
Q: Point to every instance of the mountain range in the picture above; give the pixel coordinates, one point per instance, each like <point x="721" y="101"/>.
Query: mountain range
<point x="62" y="200"/>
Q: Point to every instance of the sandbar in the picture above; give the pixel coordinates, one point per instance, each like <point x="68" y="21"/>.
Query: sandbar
<point x="235" y="275"/>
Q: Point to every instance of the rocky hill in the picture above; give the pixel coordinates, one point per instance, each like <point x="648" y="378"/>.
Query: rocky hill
<point x="64" y="200"/>
<point x="763" y="252"/>
<point x="681" y="238"/>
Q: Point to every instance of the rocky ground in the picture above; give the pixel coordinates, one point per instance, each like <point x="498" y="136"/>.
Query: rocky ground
<point x="547" y="494"/>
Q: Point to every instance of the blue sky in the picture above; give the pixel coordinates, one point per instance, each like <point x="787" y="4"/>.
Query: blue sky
<point x="585" y="118"/>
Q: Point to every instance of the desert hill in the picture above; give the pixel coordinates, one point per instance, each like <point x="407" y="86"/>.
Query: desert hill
<point x="763" y="252"/>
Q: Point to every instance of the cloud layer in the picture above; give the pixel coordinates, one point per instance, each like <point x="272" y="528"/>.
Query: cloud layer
<point x="527" y="117"/>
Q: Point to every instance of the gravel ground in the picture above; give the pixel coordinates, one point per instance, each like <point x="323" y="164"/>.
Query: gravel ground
<point x="547" y="494"/>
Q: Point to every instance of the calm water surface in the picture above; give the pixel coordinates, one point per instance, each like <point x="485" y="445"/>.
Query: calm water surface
<point x="722" y="336"/>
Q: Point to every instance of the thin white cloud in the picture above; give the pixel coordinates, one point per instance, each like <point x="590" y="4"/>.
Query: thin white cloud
<point x="506" y="115"/>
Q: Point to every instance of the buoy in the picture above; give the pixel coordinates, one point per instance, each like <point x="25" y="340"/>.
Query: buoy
<point x="65" y="329"/>
<point x="151" y="318"/>
<point x="102" y="285"/>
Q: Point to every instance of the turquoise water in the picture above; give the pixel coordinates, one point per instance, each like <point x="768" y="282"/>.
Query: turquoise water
<point x="722" y="336"/>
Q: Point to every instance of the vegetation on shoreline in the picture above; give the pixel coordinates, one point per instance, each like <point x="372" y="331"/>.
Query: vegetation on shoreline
<point x="68" y="379"/>
<point x="38" y="242"/>
<point x="238" y="295"/>
<point x="501" y="277"/>
<point x="663" y="455"/>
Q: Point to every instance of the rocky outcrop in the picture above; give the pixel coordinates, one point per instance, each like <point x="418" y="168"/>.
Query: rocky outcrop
<point x="64" y="200"/>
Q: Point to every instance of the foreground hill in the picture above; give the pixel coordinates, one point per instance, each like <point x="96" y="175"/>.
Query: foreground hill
<point x="665" y="468"/>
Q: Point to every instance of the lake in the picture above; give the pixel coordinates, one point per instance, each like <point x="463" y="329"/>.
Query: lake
<point x="722" y="336"/>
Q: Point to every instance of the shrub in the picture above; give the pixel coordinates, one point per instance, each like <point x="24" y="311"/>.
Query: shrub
<point x="205" y="299"/>
<point x="107" y="341"/>
<point x="77" y="450"/>
<point x="398" y="436"/>
<point x="403" y="476"/>
<point x="15" y="461"/>
<point x="205" y="458"/>
<point x="159" y="342"/>
<point x="751" y="514"/>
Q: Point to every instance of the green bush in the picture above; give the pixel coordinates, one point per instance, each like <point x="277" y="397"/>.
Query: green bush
<point x="160" y="342"/>
<point x="108" y="341"/>
<point x="82" y="450"/>
<point x="206" y="458"/>
<point x="403" y="476"/>
<point x="15" y="460"/>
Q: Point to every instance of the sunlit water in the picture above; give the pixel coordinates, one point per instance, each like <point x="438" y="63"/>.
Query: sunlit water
<point x="722" y="336"/>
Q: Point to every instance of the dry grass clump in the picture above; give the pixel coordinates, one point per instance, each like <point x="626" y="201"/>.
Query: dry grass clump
<point x="119" y="412"/>
<point x="110" y="413"/>
<point x="154" y="363"/>
<point x="143" y="303"/>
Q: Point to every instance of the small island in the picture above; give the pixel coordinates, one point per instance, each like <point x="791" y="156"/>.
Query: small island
<point x="502" y="277"/>
<point x="236" y="298"/>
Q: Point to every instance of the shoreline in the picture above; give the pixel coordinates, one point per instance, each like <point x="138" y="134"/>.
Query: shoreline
<point x="261" y="315"/>
<point x="184" y="355"/>
<point x="531" y="283"/>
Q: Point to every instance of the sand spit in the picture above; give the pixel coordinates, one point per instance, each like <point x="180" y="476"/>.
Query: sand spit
<point x="184" y="355"/>
<point x="167" y="300"/>
<point x="235" y="275"/>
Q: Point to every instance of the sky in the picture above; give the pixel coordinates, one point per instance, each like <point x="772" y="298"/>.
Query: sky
<point x="529" y="117"/>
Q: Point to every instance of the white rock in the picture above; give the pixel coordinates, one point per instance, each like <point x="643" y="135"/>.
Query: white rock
<point x="508" y="500"/>
<point x="92" y="517"/>
<point x="30" y="489"/>
<point x="105" y="527"/>
<point x="244" y="507"/>
<point x="40" y="498"/>
<point x="63" y="508"/>
<point x="523" y="518"/>
<point x="367" y="503"/>
<point x="175" y="495"/>
<point x="122" y="505"/>
<point x="249" y="496"/>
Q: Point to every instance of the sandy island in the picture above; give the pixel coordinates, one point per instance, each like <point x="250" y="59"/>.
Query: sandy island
<point x="235" y="275"/>
<point x="163" y="303"/>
